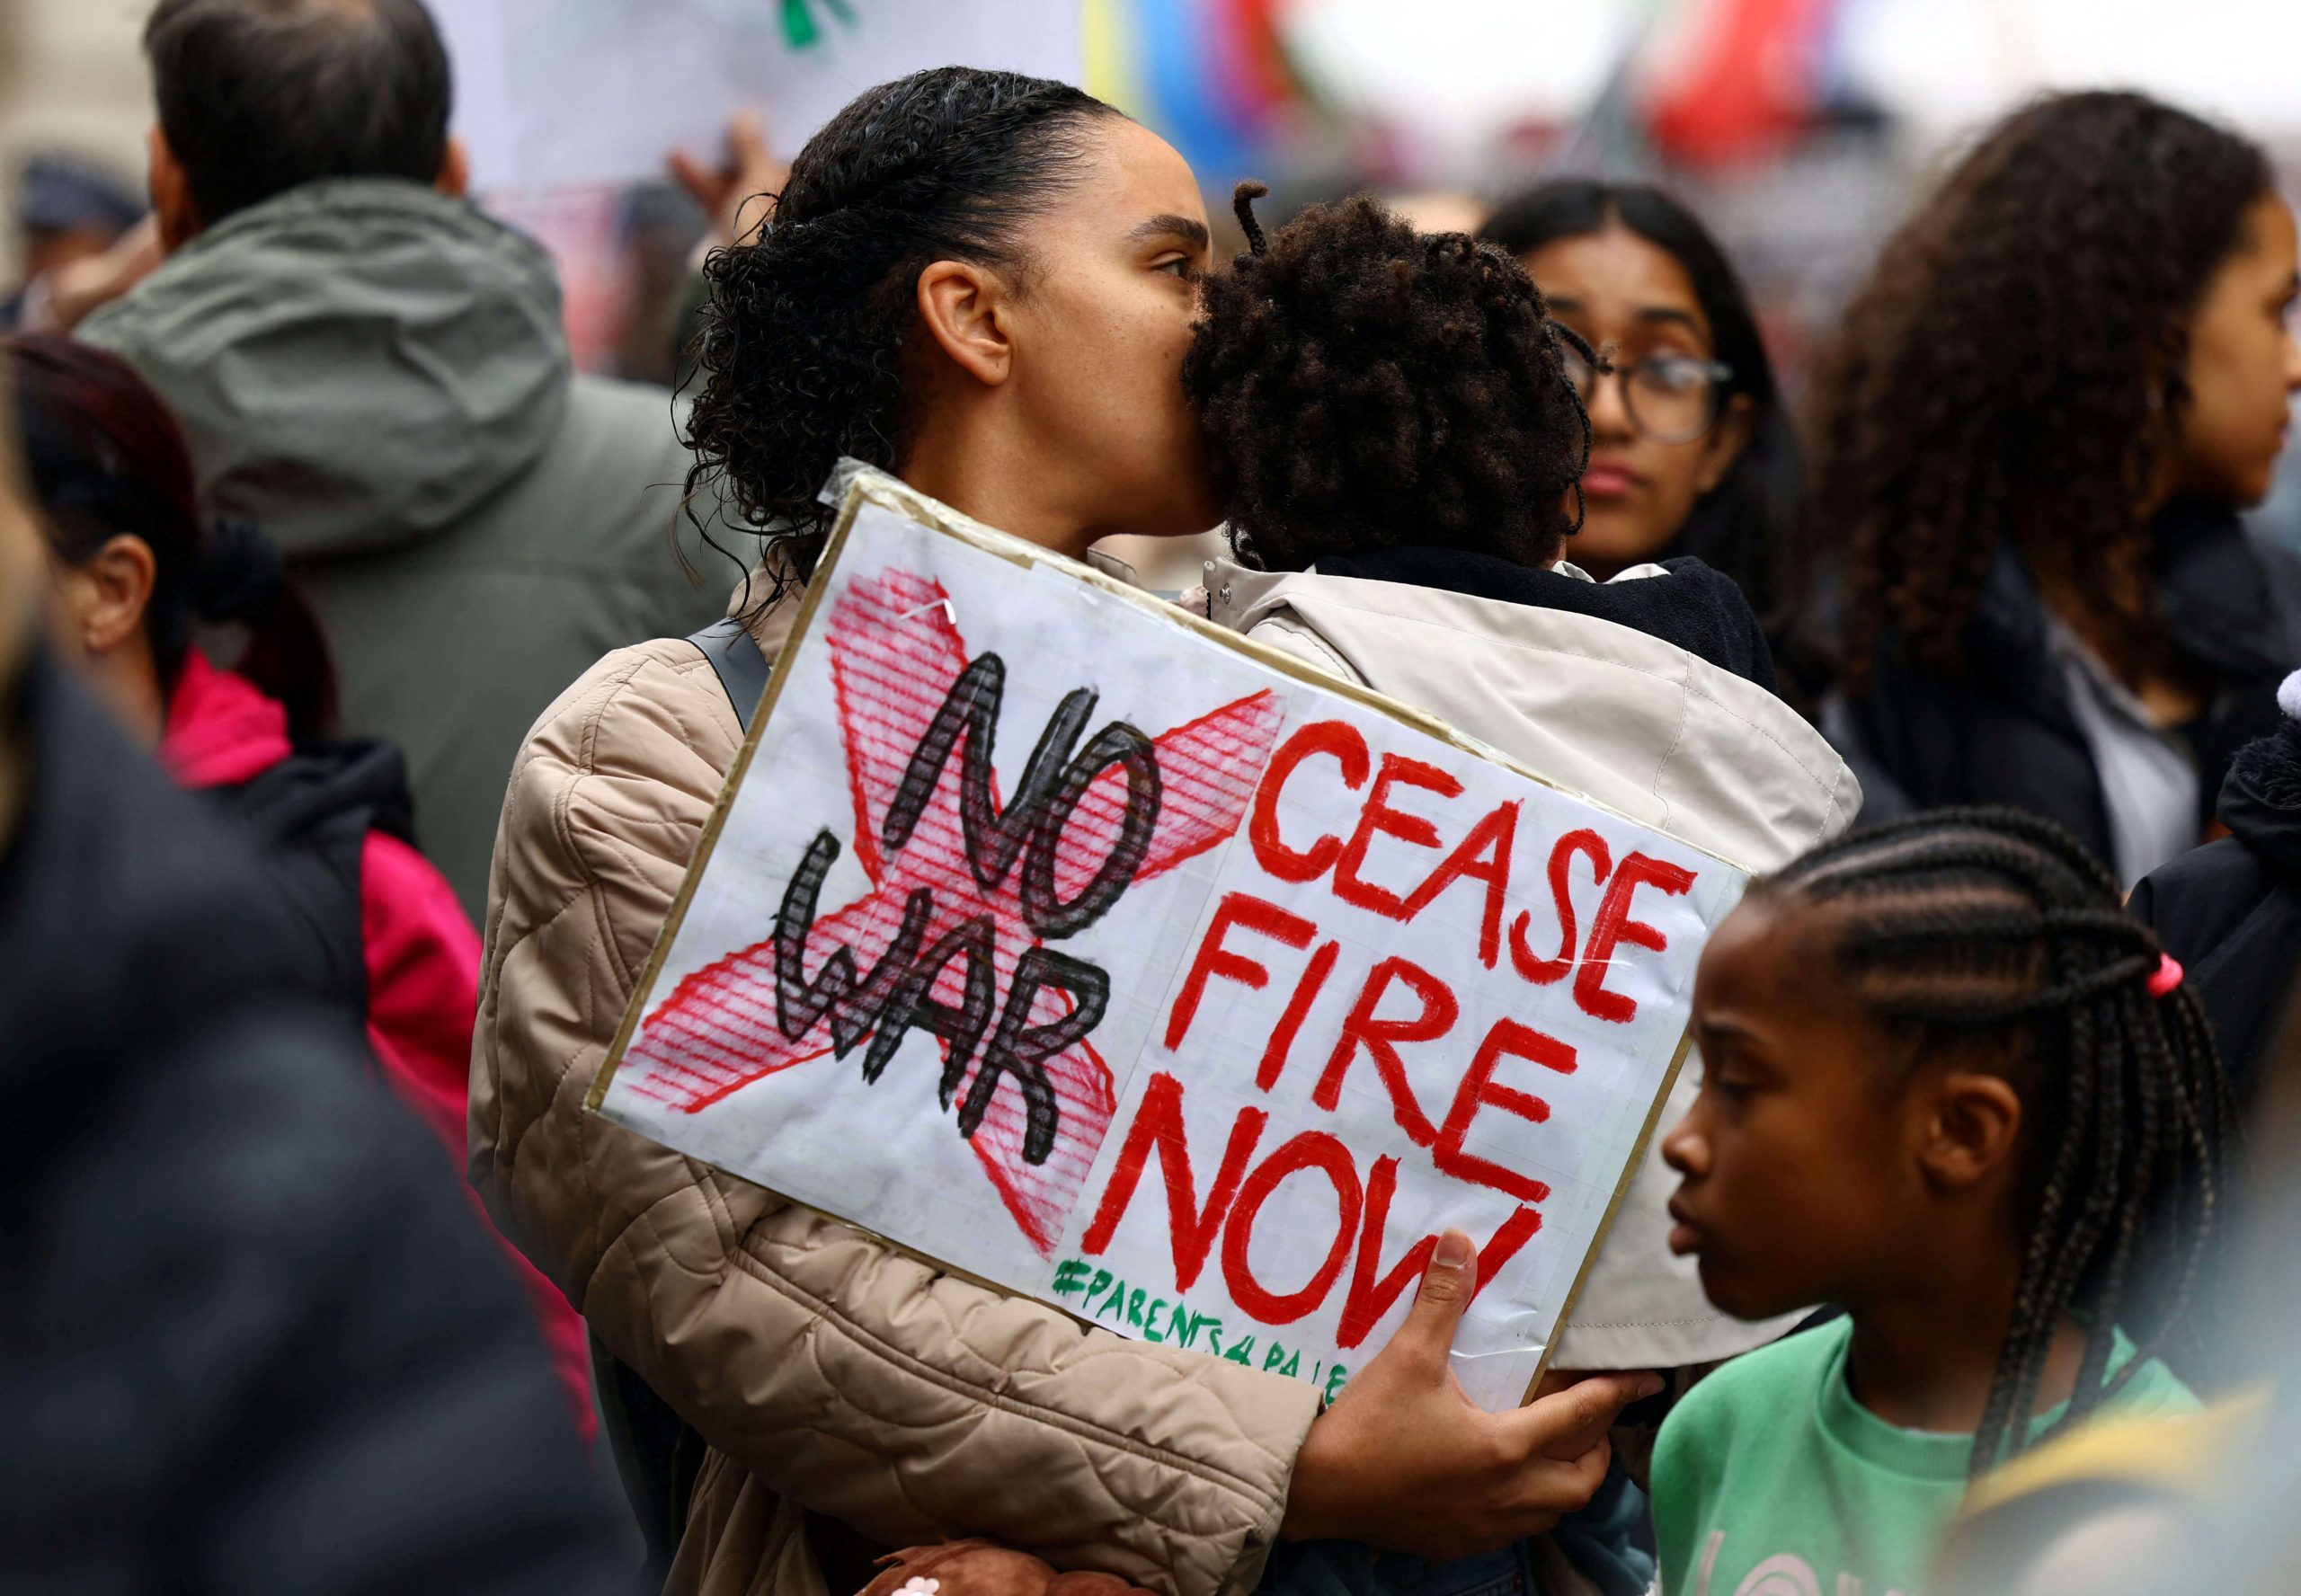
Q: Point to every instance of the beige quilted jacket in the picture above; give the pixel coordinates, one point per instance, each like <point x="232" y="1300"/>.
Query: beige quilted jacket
<point x="827" y="1372"/>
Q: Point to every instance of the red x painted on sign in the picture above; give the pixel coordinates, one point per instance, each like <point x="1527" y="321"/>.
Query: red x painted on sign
<point x="896" y="654"/>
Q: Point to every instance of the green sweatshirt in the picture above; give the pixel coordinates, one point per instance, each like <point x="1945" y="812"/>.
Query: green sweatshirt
<point x="1770" y="1479"/>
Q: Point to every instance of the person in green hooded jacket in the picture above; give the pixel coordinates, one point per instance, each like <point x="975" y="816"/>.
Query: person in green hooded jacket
<point x="374" y="371"/>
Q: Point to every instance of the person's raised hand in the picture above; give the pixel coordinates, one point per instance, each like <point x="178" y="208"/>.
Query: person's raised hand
<point x="750" y="172"/>
<point x="1405" y="1461"/>
<point x="79" y="288"/>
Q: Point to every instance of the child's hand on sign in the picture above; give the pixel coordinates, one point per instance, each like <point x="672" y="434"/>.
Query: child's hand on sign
<point x="1405" y="1461"/>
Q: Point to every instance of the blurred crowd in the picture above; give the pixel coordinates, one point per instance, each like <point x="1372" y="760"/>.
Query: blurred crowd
<point x="368" y="673"/>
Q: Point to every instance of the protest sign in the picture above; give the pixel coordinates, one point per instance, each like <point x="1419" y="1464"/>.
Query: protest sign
<point x="1088" y="950"/>
<point x="555" y="93"/>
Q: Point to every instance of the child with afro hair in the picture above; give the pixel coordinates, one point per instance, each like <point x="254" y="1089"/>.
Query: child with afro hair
<point x="1387" y="405"/>
<point x="1368" y="387"/>
<point x="1389" y="418"/>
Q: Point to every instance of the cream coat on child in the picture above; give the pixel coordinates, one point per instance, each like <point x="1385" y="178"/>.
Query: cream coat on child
<point x="1634" y="723"/>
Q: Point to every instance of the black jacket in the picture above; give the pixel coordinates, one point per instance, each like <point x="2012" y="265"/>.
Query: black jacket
<point x="2231" y="911"/>
<point x="2004" y="732"/>
<point x="250" y="1340"/>
<point x="307" y="819"/>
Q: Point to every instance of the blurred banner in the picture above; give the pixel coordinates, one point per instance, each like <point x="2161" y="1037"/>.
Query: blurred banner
<point x="559" y="92"/>
<point x="1441" y="90"/>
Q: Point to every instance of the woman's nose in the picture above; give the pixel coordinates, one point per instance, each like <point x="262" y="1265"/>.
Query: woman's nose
<point x="1609" y="415"/>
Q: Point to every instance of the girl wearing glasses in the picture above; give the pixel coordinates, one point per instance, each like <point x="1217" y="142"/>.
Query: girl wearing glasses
<point x="1690" y="449"/>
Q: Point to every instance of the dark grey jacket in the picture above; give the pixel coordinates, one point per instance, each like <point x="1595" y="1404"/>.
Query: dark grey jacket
<point x="375" y="374"/>
<point x="251" y="1339"/>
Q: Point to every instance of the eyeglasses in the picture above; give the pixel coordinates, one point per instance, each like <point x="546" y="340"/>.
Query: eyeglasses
<point x="1670" y="398"/>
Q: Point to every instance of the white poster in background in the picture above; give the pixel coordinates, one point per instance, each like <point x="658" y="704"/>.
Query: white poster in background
<point x="1073" y="945"/>
<point x="557" y="92"/>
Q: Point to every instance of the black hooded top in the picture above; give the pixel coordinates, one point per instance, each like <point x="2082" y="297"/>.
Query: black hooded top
<point x="250" y="1340"/>
<point x="1696" y="609"/>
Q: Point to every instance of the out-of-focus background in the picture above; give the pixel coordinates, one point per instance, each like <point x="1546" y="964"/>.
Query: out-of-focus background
<point x="1799" y="127"/>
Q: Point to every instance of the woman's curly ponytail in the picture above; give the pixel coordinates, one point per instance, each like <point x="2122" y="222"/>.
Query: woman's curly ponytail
<point x="800" y="351"/>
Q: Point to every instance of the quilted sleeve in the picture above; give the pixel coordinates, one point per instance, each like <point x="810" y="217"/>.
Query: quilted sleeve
<point x="857" y="1381"/>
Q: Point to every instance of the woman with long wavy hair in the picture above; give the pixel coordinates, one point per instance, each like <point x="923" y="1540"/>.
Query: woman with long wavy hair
<point x="2066" y="376"/>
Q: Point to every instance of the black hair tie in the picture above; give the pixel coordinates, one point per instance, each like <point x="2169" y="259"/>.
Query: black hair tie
<point x="239" y="575"/>
<point x="1242" y="205"/>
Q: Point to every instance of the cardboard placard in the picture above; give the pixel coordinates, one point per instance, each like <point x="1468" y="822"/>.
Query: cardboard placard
<point x="1095" y="953"/>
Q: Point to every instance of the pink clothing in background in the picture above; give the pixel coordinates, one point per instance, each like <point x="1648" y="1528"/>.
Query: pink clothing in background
<point x="421" y="955"/>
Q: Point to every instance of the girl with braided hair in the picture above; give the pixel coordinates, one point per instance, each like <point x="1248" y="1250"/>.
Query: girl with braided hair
<point x="985" y="283"/>
<point x="2065" y="376"/>
<point x="1949" y="1085"/>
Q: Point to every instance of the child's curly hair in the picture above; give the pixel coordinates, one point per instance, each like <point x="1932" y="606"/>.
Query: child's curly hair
<point x="1363" y="385"/>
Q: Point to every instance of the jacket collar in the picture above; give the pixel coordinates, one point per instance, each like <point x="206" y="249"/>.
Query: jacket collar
<point x="2212" y="591"/>
<point x="2216" y="600"/>
<point x="221" y="729"/>
<point x="1559" y="689"/>
<point x="1696" y="609"/>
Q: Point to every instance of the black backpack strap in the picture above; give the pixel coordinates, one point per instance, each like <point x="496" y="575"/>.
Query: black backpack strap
<point x="741" y="668"/>
<point x="657" y="1454"/>
<point x="655" y="1451"/>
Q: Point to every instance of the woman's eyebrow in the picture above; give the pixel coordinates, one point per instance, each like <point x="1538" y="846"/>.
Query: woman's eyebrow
<point x="1724" y="1028"/>
<point x="1670" y="314"/>
<point x="1188" y="229"/>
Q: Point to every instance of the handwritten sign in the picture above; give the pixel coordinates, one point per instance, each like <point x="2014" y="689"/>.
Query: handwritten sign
<point x="1094" y="952"/>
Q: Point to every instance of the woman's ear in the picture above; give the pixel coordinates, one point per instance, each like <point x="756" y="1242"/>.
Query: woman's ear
<point x="1727" y="440"/>
<point x="171" y="193"/>
<point x="105" y="596"/>
<point x="455" y="170"/>
<point x="962" y="308"/>
<point x="1976" y="1122"/>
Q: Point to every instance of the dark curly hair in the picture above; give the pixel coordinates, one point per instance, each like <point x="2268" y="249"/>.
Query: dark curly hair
<point x="2011" y="373"/>
<point x="1362" y="385"/>
<point x="800" y="350"/>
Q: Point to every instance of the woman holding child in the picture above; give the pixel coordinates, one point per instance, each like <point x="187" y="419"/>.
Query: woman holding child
<point x="991" y="284"/>
<point x="986" y="283"/>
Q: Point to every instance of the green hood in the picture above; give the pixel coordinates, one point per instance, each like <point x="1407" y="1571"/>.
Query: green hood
<point x="359" y="363"/>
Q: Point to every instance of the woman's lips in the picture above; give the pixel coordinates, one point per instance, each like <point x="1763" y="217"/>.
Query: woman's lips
<point x="1603" y="481"/>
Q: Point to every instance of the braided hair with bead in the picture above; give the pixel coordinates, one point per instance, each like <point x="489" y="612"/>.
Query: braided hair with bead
<point x="1989" y="928"/>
